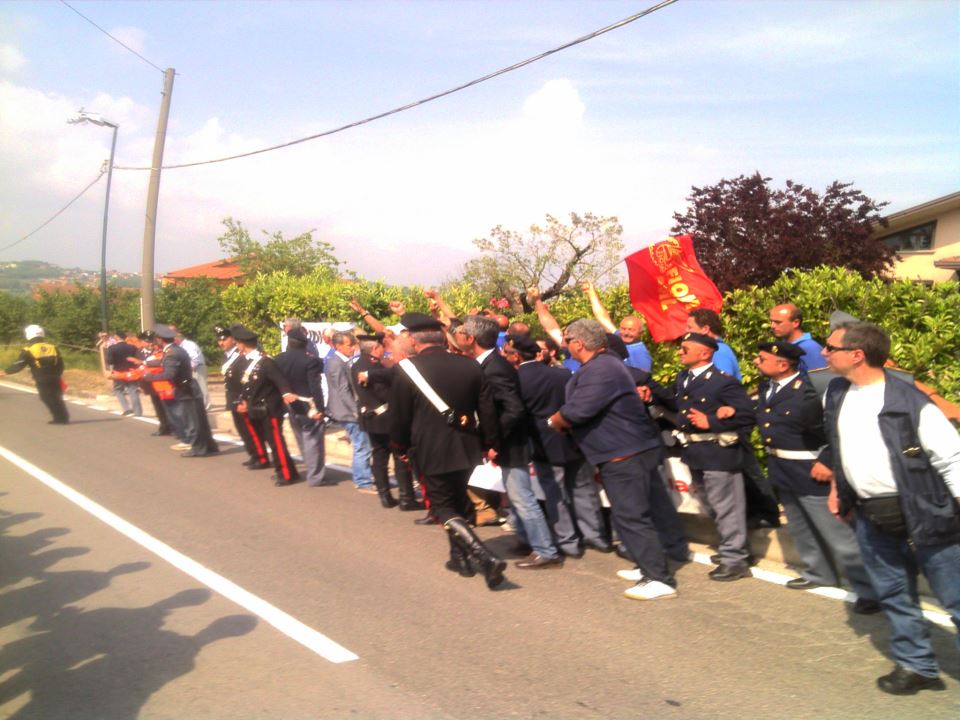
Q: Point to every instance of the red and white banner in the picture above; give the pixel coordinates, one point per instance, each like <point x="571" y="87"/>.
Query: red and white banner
<point x="666" y="283"/>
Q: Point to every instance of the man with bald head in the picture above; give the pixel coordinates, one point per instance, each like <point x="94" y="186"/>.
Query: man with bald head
<point x="785" y="322"/>
<point x="629" y="330"/>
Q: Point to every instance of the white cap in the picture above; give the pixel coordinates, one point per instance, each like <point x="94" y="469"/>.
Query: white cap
<point x="32" y="331"/>
<point x="396" y="329"/>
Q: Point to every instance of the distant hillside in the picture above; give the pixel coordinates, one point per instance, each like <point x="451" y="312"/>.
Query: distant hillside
<point x="18" y="277"/>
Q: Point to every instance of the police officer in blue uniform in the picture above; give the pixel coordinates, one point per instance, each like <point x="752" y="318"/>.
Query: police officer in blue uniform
<point x="790" y="420"/>
<point x="714" y="446"/>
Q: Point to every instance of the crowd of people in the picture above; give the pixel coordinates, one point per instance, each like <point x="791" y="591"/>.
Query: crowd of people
<point x="861" y="458"/>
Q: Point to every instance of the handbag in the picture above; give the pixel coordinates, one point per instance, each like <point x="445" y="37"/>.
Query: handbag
<point x="885" y="512"/>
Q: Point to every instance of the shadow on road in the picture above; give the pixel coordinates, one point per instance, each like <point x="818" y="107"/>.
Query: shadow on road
<point x="877" y="628"/>
<point x="85" y="661"/>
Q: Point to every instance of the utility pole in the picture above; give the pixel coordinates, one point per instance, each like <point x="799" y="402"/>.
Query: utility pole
<point x="147" y="318"/>
<point x="84" y="117"/>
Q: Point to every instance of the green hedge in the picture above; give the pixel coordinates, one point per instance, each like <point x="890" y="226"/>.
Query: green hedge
<point x="923" y="321"/>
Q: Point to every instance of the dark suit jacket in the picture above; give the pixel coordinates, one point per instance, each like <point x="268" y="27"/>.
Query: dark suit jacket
<point x="417" y="427"/>
<point x="542" y="391"/>
<point x="792" y="420"/>
<point x="375" y="394"/>
<point x="265" y="387"/>
<point x="513" y="447"/>
<point x="304" y="373"/>
<point x="233" y="380"/>
<point x="707" y="392"/>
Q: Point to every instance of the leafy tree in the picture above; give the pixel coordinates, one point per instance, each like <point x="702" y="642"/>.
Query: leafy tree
<point x="746" y="232"/>
<point x="70" y="318"/>
<point x="301" y="255"/>
<point x="195" y="307"/>
<point x="13" y="315"/>
<point x="553" y="258"/>
<point x="123" y="308"/>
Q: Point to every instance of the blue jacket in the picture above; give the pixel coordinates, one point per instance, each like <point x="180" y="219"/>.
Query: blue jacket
<point x="608" y="418"/>
<point x="930" y="510"/>
<point x="812" y="359"/>
<point x="725" y="360"/>
<point x="542" y="390"/>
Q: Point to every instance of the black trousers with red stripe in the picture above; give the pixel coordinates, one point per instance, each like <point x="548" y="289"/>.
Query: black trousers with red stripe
<point x="271" y="432"/>
<point x="250" y="433"/>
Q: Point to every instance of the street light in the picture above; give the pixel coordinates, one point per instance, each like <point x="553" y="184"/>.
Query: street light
<point x="93" y="118"/>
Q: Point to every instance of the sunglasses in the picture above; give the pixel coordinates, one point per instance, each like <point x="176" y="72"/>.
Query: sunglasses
<point x="836" y="348"/>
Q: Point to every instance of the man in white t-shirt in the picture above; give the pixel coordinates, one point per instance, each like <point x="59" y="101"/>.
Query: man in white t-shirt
<point x="896" y="464"/>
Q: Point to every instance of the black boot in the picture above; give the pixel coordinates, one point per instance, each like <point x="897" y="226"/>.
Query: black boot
<point x="458" y="562"/>
<point x="386" y="499"/>
<point x="474" y="549"/>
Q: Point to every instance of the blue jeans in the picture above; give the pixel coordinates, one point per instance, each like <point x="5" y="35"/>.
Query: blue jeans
<point x="362" y="475"/>
<point x="532" y="526"/>
<point x="128" y="393"/>
<point x="892" y="563"/>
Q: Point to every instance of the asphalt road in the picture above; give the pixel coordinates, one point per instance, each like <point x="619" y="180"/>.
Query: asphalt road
<point x="96" y="626"/>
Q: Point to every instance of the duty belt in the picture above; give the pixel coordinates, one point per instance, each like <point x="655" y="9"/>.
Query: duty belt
<point x="794" y="454"/>
<point x="724" y="439"/>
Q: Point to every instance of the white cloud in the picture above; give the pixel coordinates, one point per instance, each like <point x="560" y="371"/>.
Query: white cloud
<point x="401" y="199"/>
<point x="11" y="59"/>
<point x="132" y="37"/>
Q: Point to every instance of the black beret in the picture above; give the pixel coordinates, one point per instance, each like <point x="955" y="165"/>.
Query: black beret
<point x="782" y="348"/>
<point x="299" y="334"/>
<point x="242" y="334"/>
<point x="524" y="343"/>
<point x="701" y="339"/>
<point x="415" y="322"/>
<point x="616" y="345"/>
<point x="376" y="337"/>
<point x="165" y="331"/>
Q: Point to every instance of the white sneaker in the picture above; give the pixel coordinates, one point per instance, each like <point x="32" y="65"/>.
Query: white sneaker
<point x="181" y="446"/>
<point x="634" y="576"/>
<point x="650" y="590"/>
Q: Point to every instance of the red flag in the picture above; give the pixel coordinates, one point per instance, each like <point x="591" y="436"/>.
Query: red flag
<point x="666" y="283"/>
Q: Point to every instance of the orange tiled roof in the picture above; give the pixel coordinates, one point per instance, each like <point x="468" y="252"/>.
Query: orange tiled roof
<point x="225" y="269"/>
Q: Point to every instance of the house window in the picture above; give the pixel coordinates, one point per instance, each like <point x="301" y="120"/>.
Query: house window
<point x="915" y="239"/>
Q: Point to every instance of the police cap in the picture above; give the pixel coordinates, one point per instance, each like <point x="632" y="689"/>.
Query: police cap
<point x="244" y="335"/>
<point x="416" y="322"/>
<point x="298" y="334"/>
<point x="165" y="332"/>
<point x="701" y="339"/>
<point x="782" y="348"/>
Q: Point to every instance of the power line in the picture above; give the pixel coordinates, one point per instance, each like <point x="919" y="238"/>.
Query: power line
<point x="464" y="86"/>
<point x="103" y="171"/>
<point x="116" y="40"/>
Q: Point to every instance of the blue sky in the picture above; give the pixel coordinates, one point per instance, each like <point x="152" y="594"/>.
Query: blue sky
<point x="866" y="92"/>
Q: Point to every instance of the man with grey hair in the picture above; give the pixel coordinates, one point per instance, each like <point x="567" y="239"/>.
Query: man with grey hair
<point x="291" y="324"/>
<point x="896" y="464"/>
<point x="616" y="434"/>
<point x="342" y="407"/>
<point x="477" y="338"/>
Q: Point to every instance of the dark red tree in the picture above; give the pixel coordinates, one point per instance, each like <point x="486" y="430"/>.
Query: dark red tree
<point x="747" y="233"/>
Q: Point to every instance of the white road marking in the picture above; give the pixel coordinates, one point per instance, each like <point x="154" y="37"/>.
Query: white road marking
<point x="288" y="625"/>
<point x="834" y="593"/>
